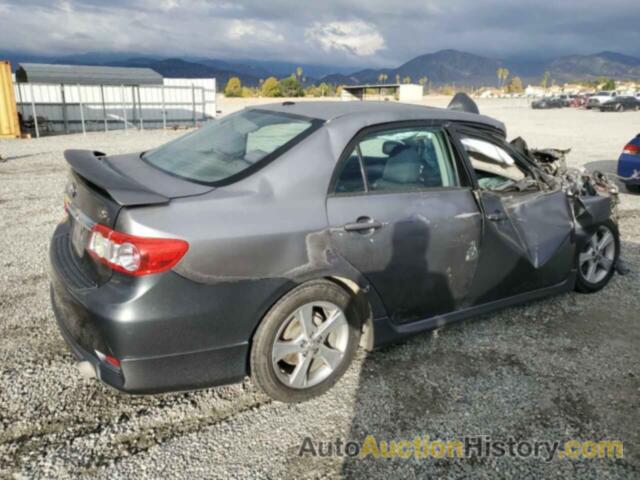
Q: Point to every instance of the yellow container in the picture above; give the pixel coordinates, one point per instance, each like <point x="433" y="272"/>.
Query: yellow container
<point x="9" y="126"/>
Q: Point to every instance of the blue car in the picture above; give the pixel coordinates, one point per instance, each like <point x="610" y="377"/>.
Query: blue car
<point x="629" y="163"/>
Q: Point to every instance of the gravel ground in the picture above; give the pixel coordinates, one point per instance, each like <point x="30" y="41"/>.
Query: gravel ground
<point x="567" y="367"/>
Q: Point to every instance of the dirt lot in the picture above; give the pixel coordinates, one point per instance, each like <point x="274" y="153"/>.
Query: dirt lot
<point x="559" y="369"/>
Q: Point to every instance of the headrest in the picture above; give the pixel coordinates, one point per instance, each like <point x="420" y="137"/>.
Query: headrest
<point x="402" y="168"/>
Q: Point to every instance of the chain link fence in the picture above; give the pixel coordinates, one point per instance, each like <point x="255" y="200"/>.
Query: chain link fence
<point x="46" y="109"/>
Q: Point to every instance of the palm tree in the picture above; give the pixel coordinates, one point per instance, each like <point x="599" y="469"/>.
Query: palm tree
<point x="423" y="81"/>
<point x="502" y="74"/>
<point x="545" y="80"/>
<point x="299" y="72"/>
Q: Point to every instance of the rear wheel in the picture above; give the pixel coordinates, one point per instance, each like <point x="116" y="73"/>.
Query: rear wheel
<point x="597" y="260"/>
<point x="306" y="342"/>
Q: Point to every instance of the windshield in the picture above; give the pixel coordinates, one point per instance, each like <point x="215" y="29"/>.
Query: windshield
<point x="226" y="147"/>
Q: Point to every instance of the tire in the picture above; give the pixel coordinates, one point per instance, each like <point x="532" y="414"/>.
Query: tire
<point x="304" y="373"/>
<point x="604" y="258"/>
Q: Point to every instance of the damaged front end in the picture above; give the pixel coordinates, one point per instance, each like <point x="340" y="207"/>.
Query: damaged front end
<point x="595" y="197"/>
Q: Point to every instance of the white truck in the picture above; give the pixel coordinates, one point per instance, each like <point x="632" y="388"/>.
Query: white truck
<point x="601" y="97"/>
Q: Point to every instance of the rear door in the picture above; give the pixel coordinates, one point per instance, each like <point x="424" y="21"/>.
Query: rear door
<point x="404" y="215"/>
<point x="527" y="238"/>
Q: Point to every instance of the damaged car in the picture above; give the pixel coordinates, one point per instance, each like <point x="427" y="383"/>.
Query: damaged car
<point x="277" y="240"/>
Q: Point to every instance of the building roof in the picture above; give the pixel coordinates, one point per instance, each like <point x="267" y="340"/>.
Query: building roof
<point x="86" y="75"/>
<point x="364" y="113"/>
<point x="372" y="85"/>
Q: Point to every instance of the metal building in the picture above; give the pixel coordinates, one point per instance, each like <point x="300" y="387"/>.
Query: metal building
<point x="86" y="75"/>
<point x="403" y="92"/>
<point x="72" y="98"/>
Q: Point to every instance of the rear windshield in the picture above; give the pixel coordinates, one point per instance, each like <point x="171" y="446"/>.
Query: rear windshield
<point x="224" y="148"/>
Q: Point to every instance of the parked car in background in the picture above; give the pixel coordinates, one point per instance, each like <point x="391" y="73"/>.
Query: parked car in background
<point x="621" y="104"/>
<point x="600" y="97"/>
<point x="267" y="242"/>
<point x="578" y="101"/>
<point x="629" y="165"/>
<point x="548" y="102"/>
<point x="566" y="99"/>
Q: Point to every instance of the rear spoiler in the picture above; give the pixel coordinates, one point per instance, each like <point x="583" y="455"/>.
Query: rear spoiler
<point x="463" y="103"/>
<point x="124" y="190"/>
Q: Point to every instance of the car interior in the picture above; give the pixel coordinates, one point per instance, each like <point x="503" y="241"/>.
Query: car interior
<point x="495" y="169"/>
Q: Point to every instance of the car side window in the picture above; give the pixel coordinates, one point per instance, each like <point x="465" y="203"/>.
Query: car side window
<point x="398" y="160"/>
<point x="495" y="168"/>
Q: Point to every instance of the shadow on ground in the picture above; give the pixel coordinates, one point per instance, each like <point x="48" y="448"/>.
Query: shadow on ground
<point x="561" y="369"/>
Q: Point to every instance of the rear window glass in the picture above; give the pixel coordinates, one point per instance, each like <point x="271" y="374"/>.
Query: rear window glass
<point x="226" y="147"/>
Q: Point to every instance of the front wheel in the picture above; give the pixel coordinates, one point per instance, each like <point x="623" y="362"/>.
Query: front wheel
<point x="306" y="342"/>
<point x="597" y="260"/>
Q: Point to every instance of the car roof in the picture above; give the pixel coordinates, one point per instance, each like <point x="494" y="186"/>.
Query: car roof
<point x="361" y="112"/>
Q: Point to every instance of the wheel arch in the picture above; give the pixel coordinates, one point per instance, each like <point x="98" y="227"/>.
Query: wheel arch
<point x="363" y="307"/>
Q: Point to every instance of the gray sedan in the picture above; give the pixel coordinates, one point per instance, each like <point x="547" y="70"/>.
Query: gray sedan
<point x="275" y="241"/>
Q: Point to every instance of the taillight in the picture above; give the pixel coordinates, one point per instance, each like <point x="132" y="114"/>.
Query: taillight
<point x="132" y="255"/>
<point x="113" y="361"/>
<point x="632" y="149"/>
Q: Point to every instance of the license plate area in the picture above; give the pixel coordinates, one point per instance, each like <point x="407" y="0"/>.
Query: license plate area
<point x="79" y="238"/>
<point x="81" y="226"/>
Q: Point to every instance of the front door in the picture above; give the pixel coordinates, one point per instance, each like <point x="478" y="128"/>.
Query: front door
<point x="527" y="240"/>
<point x="400" y="214"/>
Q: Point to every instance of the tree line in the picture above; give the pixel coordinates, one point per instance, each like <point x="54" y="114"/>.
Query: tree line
<point x="291" y="86"/>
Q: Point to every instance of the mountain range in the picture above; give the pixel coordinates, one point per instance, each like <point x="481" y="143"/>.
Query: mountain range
<point x="442" y="67"/>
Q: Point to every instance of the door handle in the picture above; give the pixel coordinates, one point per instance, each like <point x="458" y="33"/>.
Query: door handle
<point x="497" y="216"/>
<point x="363" y="224"/>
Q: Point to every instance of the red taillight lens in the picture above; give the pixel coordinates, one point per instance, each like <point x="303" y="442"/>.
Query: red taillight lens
<point x="632" y="149"/>
<point x="132" y="255"/>
<point x="113" y="361"/>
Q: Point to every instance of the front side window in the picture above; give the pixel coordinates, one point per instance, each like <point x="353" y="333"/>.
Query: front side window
<point x="226" y="147"/>
<point x="495" y="168"/>
<point x="399" y="160"/>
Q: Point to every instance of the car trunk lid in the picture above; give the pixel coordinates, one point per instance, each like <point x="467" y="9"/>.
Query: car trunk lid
<point x="100" y="186"/>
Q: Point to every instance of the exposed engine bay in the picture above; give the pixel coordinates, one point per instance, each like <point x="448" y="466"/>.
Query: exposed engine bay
<point x="576" y="182"/>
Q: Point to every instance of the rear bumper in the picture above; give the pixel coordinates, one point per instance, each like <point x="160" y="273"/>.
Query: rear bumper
<point x="169" y="333"/>
<point x="164" y="373"/>
<point x="627" y="164"/>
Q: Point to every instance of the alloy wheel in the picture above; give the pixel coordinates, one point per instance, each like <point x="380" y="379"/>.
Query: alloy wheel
<point x="310" y="344"/>
<point x="596" y="259"/>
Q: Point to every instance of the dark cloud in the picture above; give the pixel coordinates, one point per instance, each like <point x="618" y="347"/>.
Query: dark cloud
<point x="357" y="32"/>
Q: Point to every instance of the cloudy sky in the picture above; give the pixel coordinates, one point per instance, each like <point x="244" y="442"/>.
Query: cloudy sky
<point x="337" y="32"/>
